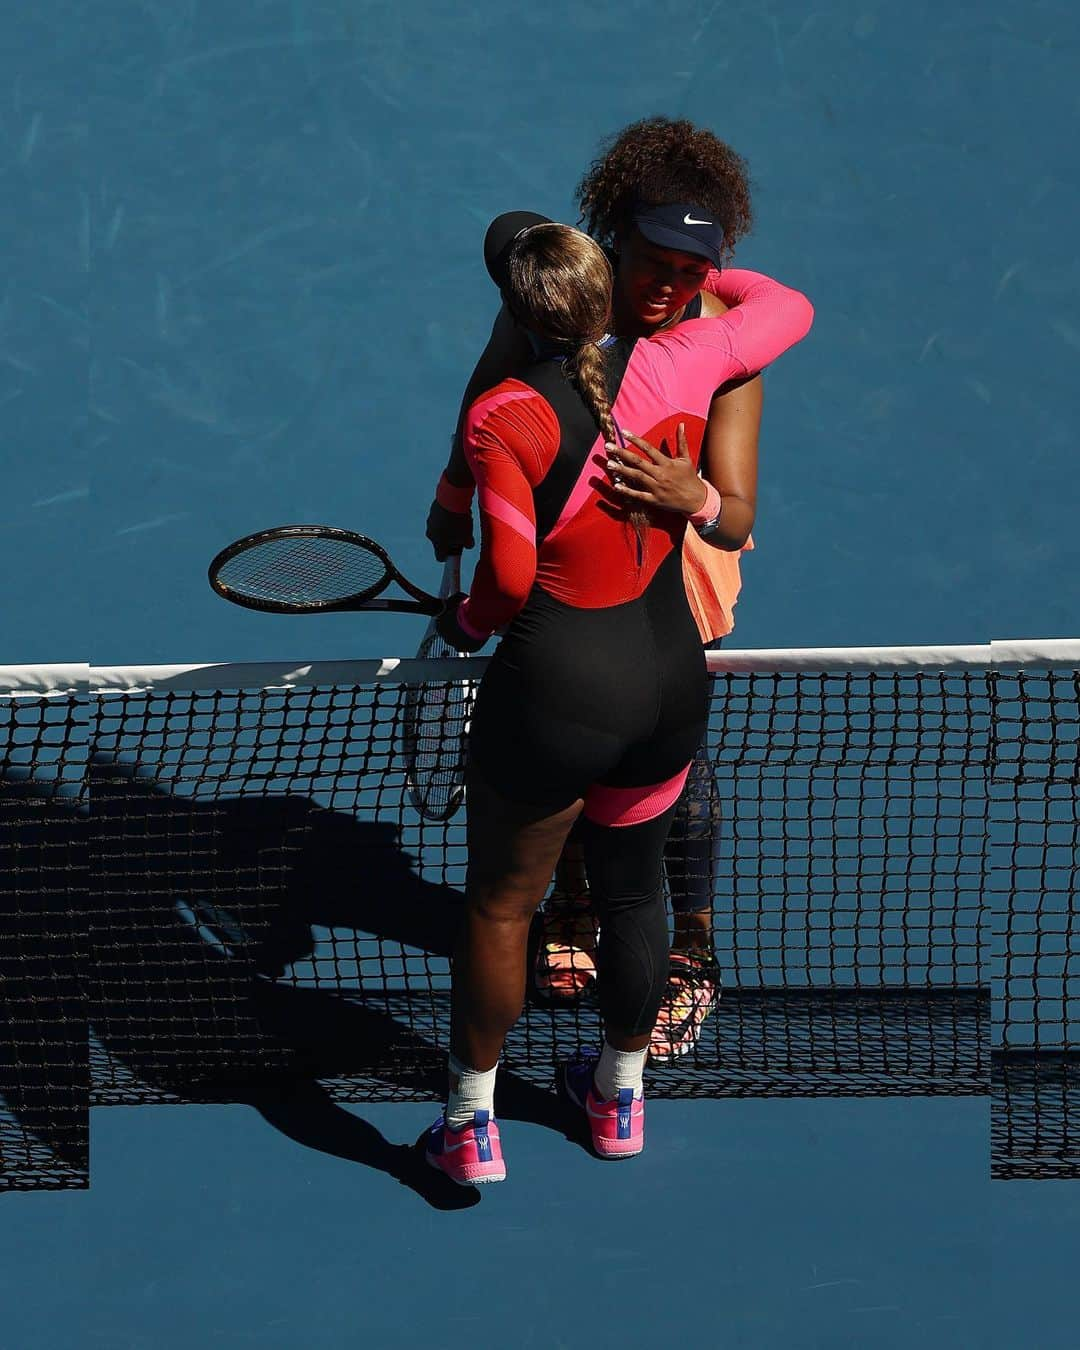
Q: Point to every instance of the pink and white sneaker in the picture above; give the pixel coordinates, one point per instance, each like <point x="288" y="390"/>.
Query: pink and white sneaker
<point x="617" y="1126"/>
<point x="471" y="1156"/>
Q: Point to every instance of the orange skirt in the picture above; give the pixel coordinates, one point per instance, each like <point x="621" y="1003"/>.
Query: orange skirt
<point x="712" y="580"/>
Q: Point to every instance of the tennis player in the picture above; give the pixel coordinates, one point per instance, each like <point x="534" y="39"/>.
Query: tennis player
<point x="594" y="703"/>
<point x="636" y="198"/>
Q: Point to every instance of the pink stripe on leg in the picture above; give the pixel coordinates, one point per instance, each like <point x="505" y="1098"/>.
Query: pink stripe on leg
<point x="617" y="806"/>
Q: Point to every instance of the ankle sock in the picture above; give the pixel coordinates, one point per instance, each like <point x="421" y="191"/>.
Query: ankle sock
<point x="475" y="1091"/>
<point x="617" y="1069"/>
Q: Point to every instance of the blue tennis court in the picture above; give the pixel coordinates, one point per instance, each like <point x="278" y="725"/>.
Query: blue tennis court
<point x="245" y="287"/>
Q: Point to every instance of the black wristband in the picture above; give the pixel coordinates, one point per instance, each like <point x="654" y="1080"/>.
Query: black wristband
<point x="446" y="623"/>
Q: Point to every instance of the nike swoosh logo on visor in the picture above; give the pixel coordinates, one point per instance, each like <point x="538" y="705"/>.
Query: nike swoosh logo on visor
<point x="689" y="220"/>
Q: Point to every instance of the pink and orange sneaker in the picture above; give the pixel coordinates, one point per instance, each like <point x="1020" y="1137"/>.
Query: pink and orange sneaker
<point x="617" y="1126"/>
<point x="471" y="1156"/>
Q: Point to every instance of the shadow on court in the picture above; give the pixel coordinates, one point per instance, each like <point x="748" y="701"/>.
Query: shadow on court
<point x="307" y="1111"/>
<point x="269" y="950"/>
<point x="202" y="911"/>
<point x="176" y="956"/>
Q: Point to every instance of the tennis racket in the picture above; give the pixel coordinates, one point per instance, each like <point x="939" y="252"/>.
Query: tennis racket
<point x="435" y="725"/>
<point x="313" y="569"/>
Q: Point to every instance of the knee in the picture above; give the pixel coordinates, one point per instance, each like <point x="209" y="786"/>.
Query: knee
<point x="500" y="903"/>
<point x="631" y="900"/>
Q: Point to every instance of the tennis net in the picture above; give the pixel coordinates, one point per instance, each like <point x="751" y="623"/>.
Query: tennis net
<point x="44" y="1054"/>
<point x="223" y="887"/>
<point x="1035" y="884"/>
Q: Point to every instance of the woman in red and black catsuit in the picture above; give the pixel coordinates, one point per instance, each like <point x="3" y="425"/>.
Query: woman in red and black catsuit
<point x="664" y="273"/>
<point x="594" y="702"/>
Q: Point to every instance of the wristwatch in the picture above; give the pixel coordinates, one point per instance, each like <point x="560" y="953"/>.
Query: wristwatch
<point x="708" y="527"/>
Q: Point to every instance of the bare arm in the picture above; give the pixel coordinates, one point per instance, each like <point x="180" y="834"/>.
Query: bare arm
<point x="729" y="459"/>
<point x="729" y="452"/>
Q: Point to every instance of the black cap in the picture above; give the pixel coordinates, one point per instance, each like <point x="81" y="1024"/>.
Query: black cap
<point x="682" y="226"/>
<point x="501" y="234"/>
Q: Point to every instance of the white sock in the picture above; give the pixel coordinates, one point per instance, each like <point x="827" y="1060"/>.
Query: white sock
<point x="475" y="1091"/>
<point x="619" y="1069"/>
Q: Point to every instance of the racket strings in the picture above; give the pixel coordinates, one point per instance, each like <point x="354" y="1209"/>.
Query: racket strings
<point x="304" y="571"/>
<point x="434" y="730"/>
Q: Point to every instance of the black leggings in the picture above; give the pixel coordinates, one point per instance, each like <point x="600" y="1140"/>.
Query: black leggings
<point x="606" y="706"/>
<point x="690" y="851"/>
<point x="626" y="885"/>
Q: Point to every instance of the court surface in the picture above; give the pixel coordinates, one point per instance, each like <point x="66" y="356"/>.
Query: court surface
<point x="244" y="286"/>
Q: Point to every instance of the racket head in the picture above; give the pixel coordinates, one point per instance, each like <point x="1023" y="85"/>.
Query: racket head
<point x="301" y="569"/>
<point x="435" y="725"/>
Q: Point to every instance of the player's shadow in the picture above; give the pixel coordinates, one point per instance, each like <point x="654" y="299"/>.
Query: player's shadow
<point x="345" y="1038"/>
<point x="200" y="908"/>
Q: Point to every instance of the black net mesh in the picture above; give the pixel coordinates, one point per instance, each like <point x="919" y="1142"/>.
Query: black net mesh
<point x="44" y="1061"/>
<point x="267" y="907"/>
<point x="1035" y="1110"/>
<point x="261" y="865"/>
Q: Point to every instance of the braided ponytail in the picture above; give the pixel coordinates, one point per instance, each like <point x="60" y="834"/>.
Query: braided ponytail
<point x="587" y="370"/>
<point x="559" y="285"/>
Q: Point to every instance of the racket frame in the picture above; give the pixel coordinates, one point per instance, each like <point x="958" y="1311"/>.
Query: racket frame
<point x="370" y="598"/>
<point x="418" y="796"/>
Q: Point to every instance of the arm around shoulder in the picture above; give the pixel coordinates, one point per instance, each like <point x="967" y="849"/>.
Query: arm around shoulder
<point x="766" y="318"/>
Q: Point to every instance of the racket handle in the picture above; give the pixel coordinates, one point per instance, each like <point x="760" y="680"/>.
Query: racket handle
<point x="451" y="577"/>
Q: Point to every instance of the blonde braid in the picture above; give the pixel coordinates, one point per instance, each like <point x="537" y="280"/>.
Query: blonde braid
<point x="586" y="367"/>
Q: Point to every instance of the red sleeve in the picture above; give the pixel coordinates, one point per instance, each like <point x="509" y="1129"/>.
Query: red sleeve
<point x="766" y="319"/>
<point x="511" y="436"/>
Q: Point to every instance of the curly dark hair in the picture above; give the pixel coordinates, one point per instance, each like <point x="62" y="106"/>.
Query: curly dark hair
<point x="658" y="160"/>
